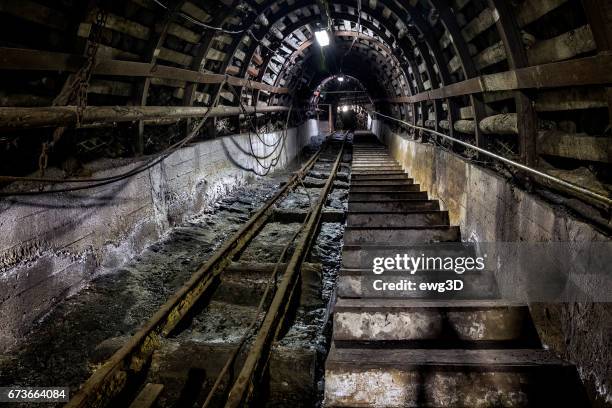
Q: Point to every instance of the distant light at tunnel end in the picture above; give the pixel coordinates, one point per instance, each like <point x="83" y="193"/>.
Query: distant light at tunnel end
<point x="322" y="38"/>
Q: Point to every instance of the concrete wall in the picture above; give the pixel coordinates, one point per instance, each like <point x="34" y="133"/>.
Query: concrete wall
<point x="312" y="128"/>
<point x="52" y="245"/>
<point x="489" y="209"/>
<point x="376" y="127"/>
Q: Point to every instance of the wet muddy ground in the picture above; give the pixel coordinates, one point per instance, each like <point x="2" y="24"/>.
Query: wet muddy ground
<point x="64" y="348"/>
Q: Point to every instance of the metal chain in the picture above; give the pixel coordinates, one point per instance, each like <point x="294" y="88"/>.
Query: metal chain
<point x="84" y="74"/>
<point x="75" y="92"/>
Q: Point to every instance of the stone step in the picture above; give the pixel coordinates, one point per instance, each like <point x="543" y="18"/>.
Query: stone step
<point x="373" y="158"/>
<point x="376" y="166"/>
<point x="363" y="283"/>
<point x="357" y="182"/>
<point x="377" y="170"/>
<point x="388" y="195"/>
<point x="379" y="177"/>
<point x="392" y="378"/>
<point x="361" y="256"/>
<point x="374" y="187"/>
<point x="433" y="323"/>
<point x="374" y="169"/>
<point x="406" y="235"/>
<point x="394" y="205"/>
<point x="375" y="162"/>
<point x="390" y="220"/>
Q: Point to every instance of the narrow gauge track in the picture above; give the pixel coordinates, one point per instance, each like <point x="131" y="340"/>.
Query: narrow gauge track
<point x="124" y="379"/>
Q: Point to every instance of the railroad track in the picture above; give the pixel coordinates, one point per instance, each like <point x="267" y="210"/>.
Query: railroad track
<point x="218" y="295"/>
<point x="405" y="348"/>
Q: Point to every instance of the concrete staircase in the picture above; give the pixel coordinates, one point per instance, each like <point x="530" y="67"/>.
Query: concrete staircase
<point x="423" y="349"/>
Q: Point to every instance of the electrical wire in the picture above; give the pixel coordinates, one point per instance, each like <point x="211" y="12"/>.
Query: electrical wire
<point x="281" y="141"/>
<point x="197" y="22"/>
<point x="164" y="154"/>
<point x="102" y="181"/>
<point x="200" y="23"/>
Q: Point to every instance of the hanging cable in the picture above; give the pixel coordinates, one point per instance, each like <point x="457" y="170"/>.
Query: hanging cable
<point x="102" y="181"/>
<point x="162" y="155"/>
<point x="199" y="23"/>
<point x="281" y="141"/>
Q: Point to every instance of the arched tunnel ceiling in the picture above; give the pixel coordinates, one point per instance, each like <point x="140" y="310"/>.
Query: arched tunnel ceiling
<point x="408" y="46"/>
<point x="446" y="65"/>
<point x="261" y="35"/>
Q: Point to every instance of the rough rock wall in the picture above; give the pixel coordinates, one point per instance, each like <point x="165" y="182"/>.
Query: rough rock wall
<point x="489" y="209"/>
<point x="53" y="245"/>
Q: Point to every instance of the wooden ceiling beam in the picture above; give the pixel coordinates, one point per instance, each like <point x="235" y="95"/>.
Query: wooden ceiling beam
<point x="35" y="60"/>
<point x="596" y="70"/>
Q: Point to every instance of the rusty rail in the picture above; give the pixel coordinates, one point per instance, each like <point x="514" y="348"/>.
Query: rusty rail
<point x="258" y="355"/>
<point x="111" y="379"/>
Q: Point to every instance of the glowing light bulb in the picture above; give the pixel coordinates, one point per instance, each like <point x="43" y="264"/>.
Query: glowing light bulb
<point x="340" y="78"/>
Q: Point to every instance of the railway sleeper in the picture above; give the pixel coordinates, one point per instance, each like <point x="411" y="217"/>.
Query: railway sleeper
<point x="189" y="368"/>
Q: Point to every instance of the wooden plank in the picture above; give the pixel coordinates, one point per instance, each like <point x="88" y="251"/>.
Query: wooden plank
<point x="595" y="70"/>
<point x="38" y="60"/>
<point x="510" y="34"/>
<point x="147" y="396"/>
<point x="467" y="65"/>
<point x="415" y="358"/>
<point x="26" y="118"/>
<point x="575" y="146"/>
<point x="26" y="59"/>
<point x="34" y="12"/>
<point x="599" y="16"/>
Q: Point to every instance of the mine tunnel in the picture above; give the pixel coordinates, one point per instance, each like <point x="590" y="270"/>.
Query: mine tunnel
<point x="305" y="203"/>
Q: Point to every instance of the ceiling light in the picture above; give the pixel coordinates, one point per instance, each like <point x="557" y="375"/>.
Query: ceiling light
<point x="322" y="38"/>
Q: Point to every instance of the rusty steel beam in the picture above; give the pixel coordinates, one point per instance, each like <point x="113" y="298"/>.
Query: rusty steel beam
<point x="27" y="118"/>
<point x="258" y="355"/>
<point x="109" y="380"/>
